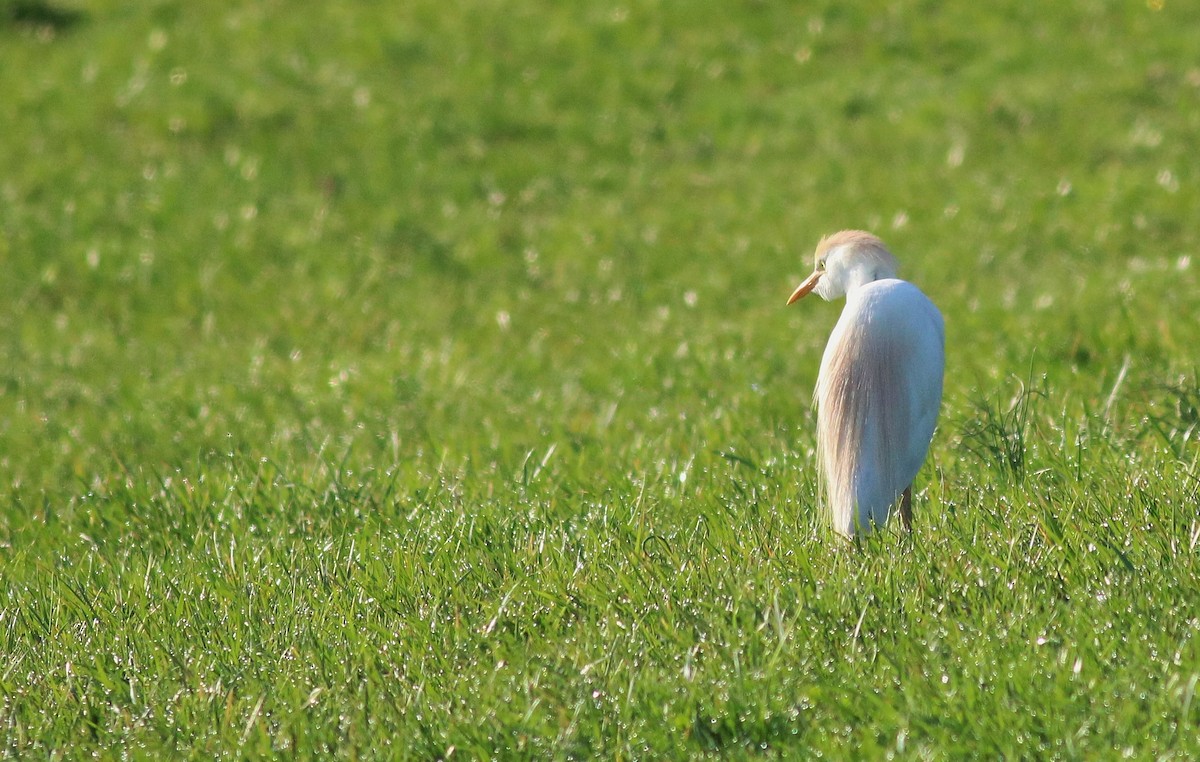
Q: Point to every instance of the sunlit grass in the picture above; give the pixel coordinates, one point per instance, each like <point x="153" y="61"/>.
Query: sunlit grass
<point x="415" y="381"/>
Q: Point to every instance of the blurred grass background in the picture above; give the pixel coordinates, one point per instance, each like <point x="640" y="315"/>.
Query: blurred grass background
<point x="378" y="300"/>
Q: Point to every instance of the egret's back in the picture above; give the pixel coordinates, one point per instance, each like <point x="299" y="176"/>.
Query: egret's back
<point x="877" y="395"/>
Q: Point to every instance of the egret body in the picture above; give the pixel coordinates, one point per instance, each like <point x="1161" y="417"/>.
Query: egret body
<point x="880" y="384"/>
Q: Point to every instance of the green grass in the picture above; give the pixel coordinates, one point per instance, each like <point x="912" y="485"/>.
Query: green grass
<point x="414" y="379"/>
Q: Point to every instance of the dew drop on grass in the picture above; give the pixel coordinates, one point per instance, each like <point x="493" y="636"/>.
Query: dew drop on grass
<point x="1166" y="178"/>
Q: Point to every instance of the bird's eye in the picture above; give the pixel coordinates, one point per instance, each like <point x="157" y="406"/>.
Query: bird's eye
<point x="820" y="264"/>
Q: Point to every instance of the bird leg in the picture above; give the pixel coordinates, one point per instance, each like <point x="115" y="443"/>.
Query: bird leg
<point x="906" y="508"/>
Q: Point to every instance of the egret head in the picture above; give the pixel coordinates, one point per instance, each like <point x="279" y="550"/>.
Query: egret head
<point x="845" y="261"/>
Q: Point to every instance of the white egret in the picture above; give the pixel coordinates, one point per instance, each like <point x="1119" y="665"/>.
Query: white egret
<point x="880" y="384"/>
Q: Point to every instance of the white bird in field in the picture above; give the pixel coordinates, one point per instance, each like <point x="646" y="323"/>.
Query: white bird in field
<point x="880" y="384"/>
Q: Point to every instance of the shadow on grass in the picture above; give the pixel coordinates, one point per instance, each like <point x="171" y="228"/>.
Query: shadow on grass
<point x="39" y="14"/>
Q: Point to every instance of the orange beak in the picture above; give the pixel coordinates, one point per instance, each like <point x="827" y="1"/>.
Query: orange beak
<point x="809" y="283"/>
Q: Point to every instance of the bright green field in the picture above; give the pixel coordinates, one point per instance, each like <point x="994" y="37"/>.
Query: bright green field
<point x="413" y="379"/>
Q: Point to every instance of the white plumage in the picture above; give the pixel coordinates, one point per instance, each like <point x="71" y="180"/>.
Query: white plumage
<point x="880" y="384"/>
